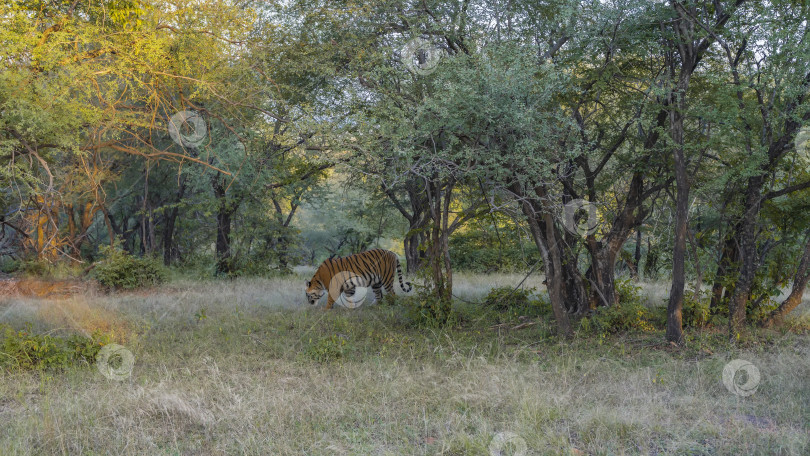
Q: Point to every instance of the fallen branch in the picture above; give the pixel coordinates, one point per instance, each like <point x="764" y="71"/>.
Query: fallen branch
<point x="519" y="326"/>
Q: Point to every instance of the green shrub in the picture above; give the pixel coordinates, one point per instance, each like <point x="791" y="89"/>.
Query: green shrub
<point x="799" y="324"/>
<point x="658" y="316"/>
<point x="695" y="310"/>
<point x="252" y="267"/>
<point x="618" y="318"/>
<point x="9" y="265"/>
<point x="505" y="298"/>
<point x="627" y="291"/>
<point x="543" y="305"/>
<point x="118" y="269"/>
<point x="24" y="350"/>
<point x="34" y="267"/>
<point x="326" y="350"/>
<point x="425" y="310"/>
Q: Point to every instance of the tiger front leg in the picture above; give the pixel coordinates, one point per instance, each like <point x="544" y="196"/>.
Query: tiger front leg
<point x="330" y="301"/>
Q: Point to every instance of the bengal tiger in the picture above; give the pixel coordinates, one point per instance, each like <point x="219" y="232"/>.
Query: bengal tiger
<point x="374" y="268"/>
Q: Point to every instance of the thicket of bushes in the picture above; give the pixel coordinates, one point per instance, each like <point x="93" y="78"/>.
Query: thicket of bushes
<point x="117" y="269"/>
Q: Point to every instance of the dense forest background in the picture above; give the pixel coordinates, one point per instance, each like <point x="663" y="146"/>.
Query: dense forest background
<point x="589" y="140"/>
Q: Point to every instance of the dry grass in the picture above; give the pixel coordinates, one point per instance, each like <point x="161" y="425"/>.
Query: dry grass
<point x="227" y="368"/>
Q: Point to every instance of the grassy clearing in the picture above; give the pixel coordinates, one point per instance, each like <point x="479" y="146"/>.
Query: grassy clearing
<point x="243" y="367"/>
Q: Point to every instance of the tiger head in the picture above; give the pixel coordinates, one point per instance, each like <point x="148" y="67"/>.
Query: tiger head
<point x="315" y="291"/>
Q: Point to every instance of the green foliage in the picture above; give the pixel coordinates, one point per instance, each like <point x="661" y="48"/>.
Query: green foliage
<point x="37" y="267"/>
<point x="629" y="314"/>
<point x="348" y="219"/>
<point x="426" y="310"/>
<point x="24" y="350"/>
<point x="799" y="324"/>
<point x="627" y="291"/>
<point x="248" y="268"/>
<point x="9" y="265"/>
<point x="505" y="298"/>
<point x="326" y="350"/>
<point x="695" y="309"/>
<point x="506" y="304"/>
<point x="34" y="267"/>
<point x="120" y="270"/>
<point x="651" y="263"/>
<point x="618" y="318"/>
<point x="93" y="82"/>
<point x="479" y="251"/>
<point x="765" y="291"/>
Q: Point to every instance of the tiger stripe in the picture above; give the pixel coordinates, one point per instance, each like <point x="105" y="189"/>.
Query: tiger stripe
<point x="373" y="268"/>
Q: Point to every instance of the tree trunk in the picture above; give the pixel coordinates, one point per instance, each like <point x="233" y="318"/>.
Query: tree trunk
<point x="168" y="237"/>
<point x="439" y="195"/>
<point x="725" y="267"/>
<point x="650" y="261"/>
<point x="555" y="278"/>
<point x="604" y="252"/>
<point x="698" y="269"/>
<point x="223" y="245"/>
<point x="748" y="257"/>
<point x="690" y="48"/>
<point x="72" y="231"/>
<point x="169" y="249"/>
<point x="147" y="223"/>
<point x="418" y="222"/>
<point x="541" y="226"/>
<point x="575" y="297"/>
<point x="601" y="275"/>
<point x="414" y="248"/>
<point x="224" y="262"/>
<point x="637" y="254"/>
<point x="675" y="306"/>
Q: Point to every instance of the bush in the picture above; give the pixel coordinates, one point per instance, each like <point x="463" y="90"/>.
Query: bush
<point x="24" y="350"/>
<point x="326" y="350"/>
<point x="695" y="310"/>
<point x="508" y="304"/>
<point x="505" y="298"/>
<point x="118" y="269"/>
<point x="425" y="310"/>
<point x="627" y="291"/>
<point x="34" y="267"/>
<point x="543" y="305"/>
<point x="256" y="267"/>
<point x="618" y="318"/>
<point x="8" y="265"/>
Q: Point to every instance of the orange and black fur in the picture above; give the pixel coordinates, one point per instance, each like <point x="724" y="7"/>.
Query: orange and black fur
<point x="373" y="268"/>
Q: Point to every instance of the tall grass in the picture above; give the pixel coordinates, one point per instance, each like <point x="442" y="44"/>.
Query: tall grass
<point x="247" y="367"/>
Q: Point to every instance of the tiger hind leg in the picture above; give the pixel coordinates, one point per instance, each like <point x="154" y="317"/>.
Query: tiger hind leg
<point x="377" y="288"/>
